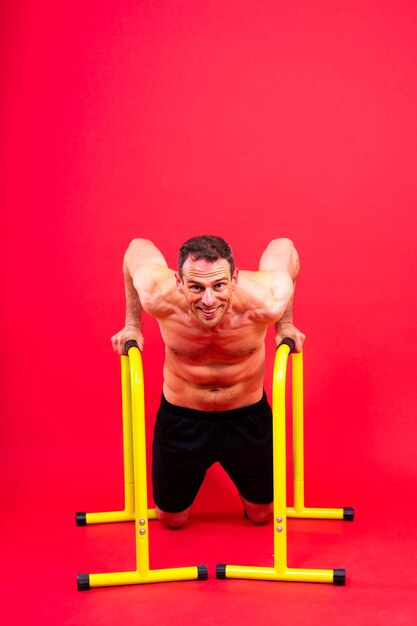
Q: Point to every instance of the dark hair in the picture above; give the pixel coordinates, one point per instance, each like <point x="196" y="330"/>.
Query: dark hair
<point x="206" y="247"/>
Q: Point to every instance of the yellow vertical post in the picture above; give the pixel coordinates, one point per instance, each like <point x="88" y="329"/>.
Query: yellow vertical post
<point x="279" y="452"/>
<point x="298" y="429"/>
<point x="139" y="462"/>
<point x="127" y="436"/>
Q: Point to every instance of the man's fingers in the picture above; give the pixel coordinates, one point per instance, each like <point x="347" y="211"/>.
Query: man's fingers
<point x="126" y="334"/>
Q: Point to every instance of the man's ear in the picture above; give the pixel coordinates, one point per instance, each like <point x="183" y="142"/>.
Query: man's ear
<point x="235" y="277"/>
<point x="179" y="283"/>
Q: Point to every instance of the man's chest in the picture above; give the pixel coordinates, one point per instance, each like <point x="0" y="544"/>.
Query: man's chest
<point x="227" y="344"/>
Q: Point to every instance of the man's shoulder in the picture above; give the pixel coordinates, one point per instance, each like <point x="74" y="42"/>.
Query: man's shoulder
<point x="157" y="290"/>
<point x="253" y="285"/>
<point x="262" y="295"/>
<point x="252" y="293"/>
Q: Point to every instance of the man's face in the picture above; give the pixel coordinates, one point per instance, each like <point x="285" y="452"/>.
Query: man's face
<point x="207" y="288"/>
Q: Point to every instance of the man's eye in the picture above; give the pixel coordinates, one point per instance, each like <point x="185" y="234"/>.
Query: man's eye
<point x="219" y="286"/>
<point x="196" y="288"/>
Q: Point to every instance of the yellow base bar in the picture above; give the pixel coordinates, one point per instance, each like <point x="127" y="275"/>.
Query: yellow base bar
<point x="135" y="578"/>
<point x="288" y="574"/>
<point x="109" y="516"/>
<point x="114" y="516"/>
<point x="315" y="513"/>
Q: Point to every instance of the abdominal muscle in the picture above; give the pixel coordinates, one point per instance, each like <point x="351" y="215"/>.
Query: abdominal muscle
<point x="214" y="386"/>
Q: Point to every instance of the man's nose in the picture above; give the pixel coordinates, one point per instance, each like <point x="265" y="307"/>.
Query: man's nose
<point x="208" y="297"/>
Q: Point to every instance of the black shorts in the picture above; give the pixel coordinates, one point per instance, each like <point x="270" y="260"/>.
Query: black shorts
<point x="187" y="442"/>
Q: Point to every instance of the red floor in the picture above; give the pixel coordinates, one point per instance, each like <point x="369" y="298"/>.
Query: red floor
<point x="43" y="552"/>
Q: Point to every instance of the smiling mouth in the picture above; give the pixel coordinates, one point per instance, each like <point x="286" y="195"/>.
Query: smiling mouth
<point x="209" y="312"/>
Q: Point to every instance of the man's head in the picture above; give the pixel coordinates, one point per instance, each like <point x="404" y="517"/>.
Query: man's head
<point x="207" y="277"/>
<point x="206" y="247"/>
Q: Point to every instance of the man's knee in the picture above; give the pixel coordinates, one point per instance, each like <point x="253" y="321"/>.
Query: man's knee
<point x="173" y="520"/>
<point x="259" y="513"/>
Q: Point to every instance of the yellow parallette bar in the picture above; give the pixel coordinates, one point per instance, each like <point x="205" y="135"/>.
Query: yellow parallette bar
<point x="315" y="513"/>
<point x="288" y="574"/>
<point x="152" y="576"/>
<point x="110" y="516"/>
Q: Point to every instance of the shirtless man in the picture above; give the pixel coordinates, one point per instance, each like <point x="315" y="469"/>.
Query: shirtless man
<point x="213" y="319"/>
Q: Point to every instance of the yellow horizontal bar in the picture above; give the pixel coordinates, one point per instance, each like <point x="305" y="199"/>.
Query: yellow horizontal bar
<point x="309" y="575"/>
<point x="288" y="574"/>
<point x="152" y="576"/>
<point x="115" y="516"/>
<point x="315" y="513"/>
<point x="109" y="516"/>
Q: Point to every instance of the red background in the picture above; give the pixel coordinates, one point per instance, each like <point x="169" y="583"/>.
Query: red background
<point x="251" y="121"/>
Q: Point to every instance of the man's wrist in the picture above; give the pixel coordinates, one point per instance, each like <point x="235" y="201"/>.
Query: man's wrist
<point x="134" y="325"/>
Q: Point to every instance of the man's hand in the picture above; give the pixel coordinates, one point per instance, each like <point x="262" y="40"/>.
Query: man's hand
<point x="129" y="332"/>
<point x="287" y="329"/>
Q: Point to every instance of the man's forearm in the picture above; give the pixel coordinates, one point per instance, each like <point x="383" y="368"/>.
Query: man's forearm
<point x="133" y="303"/>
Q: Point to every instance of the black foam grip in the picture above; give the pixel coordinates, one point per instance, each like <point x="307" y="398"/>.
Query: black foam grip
<point x="130" y="344"/>
<point x="288" y="342"/>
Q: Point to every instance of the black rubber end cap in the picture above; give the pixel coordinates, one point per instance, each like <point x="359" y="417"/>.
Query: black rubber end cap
<point x="339" y="577"/>
<point x="202" y="572"/>
<point x="348" y="514"/>
<point x="221" y="571"/>
<point x="130" y="344"/>
<point x="288" y="342"/>
<point x="81" y="519"/>
<point x="83" y="582"/>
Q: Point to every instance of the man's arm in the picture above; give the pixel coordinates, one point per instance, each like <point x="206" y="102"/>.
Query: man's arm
<point x="280" y="260"/>
<point x="141" y="264"/>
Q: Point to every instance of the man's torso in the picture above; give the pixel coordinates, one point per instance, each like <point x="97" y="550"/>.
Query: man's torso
<point x="212" y="369"/>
